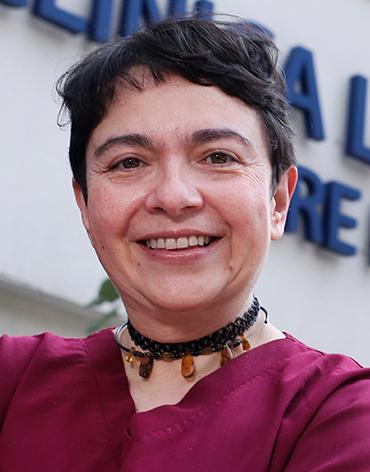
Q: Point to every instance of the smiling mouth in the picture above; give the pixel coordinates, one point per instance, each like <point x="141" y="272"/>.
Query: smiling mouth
<point x="184" y="242"/>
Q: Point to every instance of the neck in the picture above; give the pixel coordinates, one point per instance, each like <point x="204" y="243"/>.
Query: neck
<point x="181" y="325"/>
<point x="223" y="340"/>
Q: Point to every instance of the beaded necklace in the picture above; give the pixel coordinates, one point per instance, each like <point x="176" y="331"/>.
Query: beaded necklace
<point x="223" y="340"/>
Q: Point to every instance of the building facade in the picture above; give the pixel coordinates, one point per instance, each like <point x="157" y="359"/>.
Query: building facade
<point x="316" y="283"/>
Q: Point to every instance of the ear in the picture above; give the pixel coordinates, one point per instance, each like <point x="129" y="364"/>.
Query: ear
<point x="82" y="205"/>
<point x="281" y="200"/>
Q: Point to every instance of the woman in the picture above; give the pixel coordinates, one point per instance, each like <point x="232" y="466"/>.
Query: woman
<point x="183" y="171"/>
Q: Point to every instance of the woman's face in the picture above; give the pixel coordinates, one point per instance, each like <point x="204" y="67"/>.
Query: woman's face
<point x="186" y="166"/>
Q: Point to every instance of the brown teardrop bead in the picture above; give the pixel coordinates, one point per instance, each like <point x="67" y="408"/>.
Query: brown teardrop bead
<point x="226" y="355"/>
<point x="146" y="366"/>
<point x="130" y="357"/>
<point x="245" y="343"/>
<point x="187" y="366"/>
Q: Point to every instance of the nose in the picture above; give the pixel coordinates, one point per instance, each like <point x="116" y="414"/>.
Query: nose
<point x="174" y="193"/>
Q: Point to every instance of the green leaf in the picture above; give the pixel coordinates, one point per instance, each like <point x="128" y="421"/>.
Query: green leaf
<point x="108" y="292"/>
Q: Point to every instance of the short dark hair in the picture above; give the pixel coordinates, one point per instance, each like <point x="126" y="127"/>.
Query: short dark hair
<point x="235" y="56"/>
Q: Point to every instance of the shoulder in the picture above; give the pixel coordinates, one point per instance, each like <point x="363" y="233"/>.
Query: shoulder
<point x="310" y="365"/>
<point x="324" y="382"/>
<point x="24" y="357"/>
<point x="331" y="401"/>
<point x="290" y="365"/>
<point x="15" y="356"/>
<point x="20" y="350"/>
<point x="16" y="352"/>
<point x="322" y="372"/>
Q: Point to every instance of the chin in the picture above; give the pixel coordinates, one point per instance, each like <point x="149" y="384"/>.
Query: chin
<point x="189" y="299"/>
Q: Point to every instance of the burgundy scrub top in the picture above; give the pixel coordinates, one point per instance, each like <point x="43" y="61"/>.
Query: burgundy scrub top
<point x="65" y="406"/>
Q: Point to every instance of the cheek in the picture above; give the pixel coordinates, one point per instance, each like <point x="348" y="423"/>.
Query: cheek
<point x="249" y="222"/>
<point x="109" y="214"/>
<point x="245" y="205"/>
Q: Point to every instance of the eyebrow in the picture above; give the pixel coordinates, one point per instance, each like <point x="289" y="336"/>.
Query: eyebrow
<point x="133" y="139"/>
<point x="198" y="137"/>
<point x="212" y="134"/>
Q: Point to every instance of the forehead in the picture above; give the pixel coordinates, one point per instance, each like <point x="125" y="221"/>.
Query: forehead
<point x="169" y="111"/>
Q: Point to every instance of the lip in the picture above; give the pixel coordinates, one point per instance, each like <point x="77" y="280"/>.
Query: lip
<point x="180" y="255"/>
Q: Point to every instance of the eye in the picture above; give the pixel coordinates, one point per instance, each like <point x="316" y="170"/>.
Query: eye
<point x="220" y="158"/>
<point x="128" y="163"/>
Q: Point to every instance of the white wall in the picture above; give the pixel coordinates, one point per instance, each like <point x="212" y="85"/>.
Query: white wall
<point x="26" y="310"/>
<point x="319" y="297"/>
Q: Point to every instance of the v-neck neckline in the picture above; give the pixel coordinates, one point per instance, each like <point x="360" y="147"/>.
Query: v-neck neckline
<point x="118" y="406"/>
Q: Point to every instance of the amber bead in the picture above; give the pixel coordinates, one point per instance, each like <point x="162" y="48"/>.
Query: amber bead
<point x="146" y="366"/>
<point x="130" y="357"/>
<point x="226" y="355"/>
<point x="245" y="343"/>
<point x="187" y="366"/>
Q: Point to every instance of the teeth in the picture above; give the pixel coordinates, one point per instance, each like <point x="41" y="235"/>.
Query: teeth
<point x="179" y="243"/>
<point x="193" y="241"/>
<point x="182" y="243"/>
<point x="170" y="243"/>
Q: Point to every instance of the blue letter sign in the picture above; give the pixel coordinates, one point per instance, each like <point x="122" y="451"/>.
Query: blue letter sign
<point x="133" y="11"/>
<point x="319" y="207"/>
<point x="307" y="204"/>
<point x="335" y="220"/>
<point x="203" y="9"/>
<point x="47" y="10"/>
<point x="302" y="90"/>
<point x="355" y="145"/>
<point x="14" y="3"/>
<point x="100" y="23"/>
<point x="176" y="7"/>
